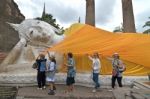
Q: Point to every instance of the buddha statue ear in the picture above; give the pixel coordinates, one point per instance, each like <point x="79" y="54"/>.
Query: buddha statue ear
<point x="15" y="26"/>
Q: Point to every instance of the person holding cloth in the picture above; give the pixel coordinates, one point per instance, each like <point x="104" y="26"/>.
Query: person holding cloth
<point x="51" y="70"/>
<point x="117" y="69"/>
<point x="96" y="65"/>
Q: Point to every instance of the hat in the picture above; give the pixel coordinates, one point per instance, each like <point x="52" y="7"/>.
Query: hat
<point x="115" y="53"/>
<point x="52" y="56"/>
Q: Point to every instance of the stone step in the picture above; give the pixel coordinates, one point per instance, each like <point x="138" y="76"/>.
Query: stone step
<point x="141" y="85"/>
<point x="7" y="97"/>
<point x="8" y="92"/>
<point x="140" y="94"/>
<point x="128" y="97"/>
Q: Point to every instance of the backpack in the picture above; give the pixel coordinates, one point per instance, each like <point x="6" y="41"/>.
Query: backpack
<point x="123" y="67"/>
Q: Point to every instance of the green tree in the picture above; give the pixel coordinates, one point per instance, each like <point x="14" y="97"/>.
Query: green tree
<point x="147" y="24"/>
<point x="118" y="29"/>
<point x="49" y="19"/>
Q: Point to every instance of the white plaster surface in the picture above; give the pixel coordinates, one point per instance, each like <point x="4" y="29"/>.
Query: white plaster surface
<point x="24" y="74"/>
<point x="81" y="79"/>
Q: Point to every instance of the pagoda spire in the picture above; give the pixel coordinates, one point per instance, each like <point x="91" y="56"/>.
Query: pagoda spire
<point x="79" y="20"/>
<point x="43" y="14"/>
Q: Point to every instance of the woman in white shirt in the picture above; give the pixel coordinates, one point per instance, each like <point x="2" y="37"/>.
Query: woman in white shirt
<point x="96" y="65"/>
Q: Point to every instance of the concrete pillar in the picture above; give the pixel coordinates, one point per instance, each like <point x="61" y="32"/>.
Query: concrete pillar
<point x="90" y="12"/>
<point x="128" y="16"/>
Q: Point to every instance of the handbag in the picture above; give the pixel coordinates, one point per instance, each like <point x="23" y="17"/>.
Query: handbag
<point x="122" y="67"/>
<point x="35" y="65"/>
<point x="114" y="72"/>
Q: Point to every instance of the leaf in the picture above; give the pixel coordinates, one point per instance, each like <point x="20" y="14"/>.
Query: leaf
<point x="49" y="19"/>
<point x="147" y="24"/>
<point x="118" y="29"/>
<point x="147" y="31"/>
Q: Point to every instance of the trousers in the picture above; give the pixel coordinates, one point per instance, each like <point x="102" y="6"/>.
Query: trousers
<point x="41" y="79"/>
<point x="119" y="80"/>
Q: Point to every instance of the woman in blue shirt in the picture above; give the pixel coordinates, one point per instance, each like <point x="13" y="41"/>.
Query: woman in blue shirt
<point x="41" y="77"/>
<point x="70" y="72"/>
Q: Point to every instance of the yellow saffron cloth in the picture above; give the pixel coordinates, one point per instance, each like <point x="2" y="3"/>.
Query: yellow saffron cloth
<point x="81" y="39"/>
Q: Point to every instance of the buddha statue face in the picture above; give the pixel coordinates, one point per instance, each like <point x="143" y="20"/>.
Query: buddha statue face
<point x="36" y="31"/>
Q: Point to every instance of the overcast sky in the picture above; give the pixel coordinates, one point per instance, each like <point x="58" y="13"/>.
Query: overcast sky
<point x="66" y="12"/>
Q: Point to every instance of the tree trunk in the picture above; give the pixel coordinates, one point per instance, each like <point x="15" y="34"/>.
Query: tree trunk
<point x="128" y="16"/>
<point x="90" y="12"/>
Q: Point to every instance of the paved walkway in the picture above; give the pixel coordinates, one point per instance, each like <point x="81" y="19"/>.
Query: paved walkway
<point x="79" y="93"/>
<point x="24" y="75"/>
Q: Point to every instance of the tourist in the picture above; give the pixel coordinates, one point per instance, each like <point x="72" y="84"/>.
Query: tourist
<point x="96" y="65"/>
<point x="118" y="69"/>
<point x="70" y="73"/>
<point x="41" y="77"/>
<point x="51" y="74"/>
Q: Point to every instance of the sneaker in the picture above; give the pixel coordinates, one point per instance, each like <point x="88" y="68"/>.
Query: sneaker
<point x="44" y="87"/>
<point x="39" y="88"/>
<point x="94" y="90"/>
<point x="111" y="89"/>
<point x="51" y="92"/>
<point x="54" y="87"/>
<point x="67" y="93"/>
<point x="98" y="86"/>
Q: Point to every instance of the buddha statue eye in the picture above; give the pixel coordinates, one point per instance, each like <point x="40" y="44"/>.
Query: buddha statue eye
<point x="31" y="33"/>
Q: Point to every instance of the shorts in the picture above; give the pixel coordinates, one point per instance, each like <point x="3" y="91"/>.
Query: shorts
<point x="70" y="81"/>
<point x="50" y="79"/>
<point x="50" y="76"/>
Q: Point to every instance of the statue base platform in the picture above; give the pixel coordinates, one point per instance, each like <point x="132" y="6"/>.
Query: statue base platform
<point x="24" y="75"/>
